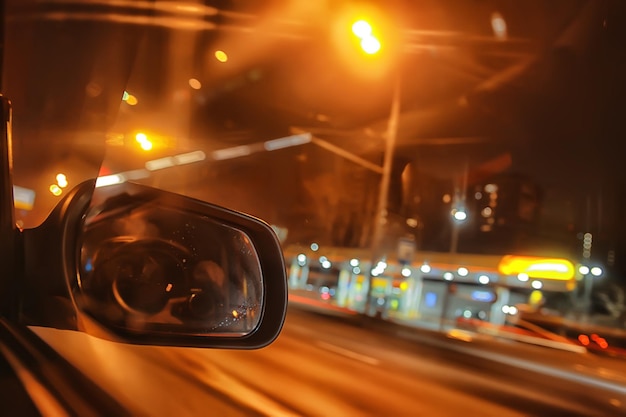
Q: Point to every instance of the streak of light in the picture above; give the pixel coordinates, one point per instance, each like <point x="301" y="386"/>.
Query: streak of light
<point x="348" y="353"/>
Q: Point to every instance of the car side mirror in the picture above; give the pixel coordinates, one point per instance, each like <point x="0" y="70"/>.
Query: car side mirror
<point x="138" y="265"/>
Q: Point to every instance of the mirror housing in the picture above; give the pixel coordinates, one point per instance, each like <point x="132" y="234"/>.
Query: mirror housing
<point x="134" y="264"/>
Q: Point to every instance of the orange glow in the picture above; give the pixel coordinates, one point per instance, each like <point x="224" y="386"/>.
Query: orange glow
<point x="600" y="341"/>
<point x="369" y="42"/>
<point x="195" y="84"/>
<point x="129" y="99"/>
<point x="221" y="56"/>
<point x="143" y="141"/>
<point x="536" y="267"/>
<point x="366" y="39"/>
<point x="583" y="339"/>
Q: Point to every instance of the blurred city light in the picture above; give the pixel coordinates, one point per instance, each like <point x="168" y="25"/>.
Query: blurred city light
<point x="584" y="270"/>
<point x="129" y="99"/>
<point x="491" y="188"/>
<point x="459" y="215"/>
<point x="537" y="267"/>
<point x="315" y="247"/>
<point x="583" y="339"/>
<point x="370" y="45"/>
<point x="176" y="160"/>
<point x="143" y="141"/>
<point x="230" y="153"/>
<point x="448" y="276"/>
<point x="288" y="141"/>
<point x="189" y="157"/>
<point x="195" y="83"/>
<point x="483" y="279"/>
<point x="425" y="268"/>
<point x="221" y="56"/>
<point x="354" y="262"/>
<point x="160" y="163"/>
<point x="55" y="190"/>
<point x="361" y="28"/>
<point x="406" y="272"/>
<point x="511" y="310"/>
<point x="61" y="180"/>
<point x="462" y="271"/>
<point x="110" y="180"/>
<point x="380" y="268"/>
<point x="596" y="271"/>
<point x="587" y="243"/>
<point x="498" y="24"/>
<point x="537" y="285"/>
<point x="24" y="198"/>
<point x="523" y="277"/>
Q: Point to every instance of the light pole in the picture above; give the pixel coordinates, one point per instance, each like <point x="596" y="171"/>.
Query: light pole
<point x="371" y="45"/>
<point x="390" y="143"/>
<point x="380" y="217"/>
<point x="459" y="211"/>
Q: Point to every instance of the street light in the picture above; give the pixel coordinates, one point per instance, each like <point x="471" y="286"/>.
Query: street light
<point x="371" y="45"/>
<point x="143" y="141"/>
<point x="369" y="42"/>
<point x="366" y="39"/>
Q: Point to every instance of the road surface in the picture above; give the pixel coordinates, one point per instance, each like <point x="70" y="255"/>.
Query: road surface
<point x="330" y="366"/>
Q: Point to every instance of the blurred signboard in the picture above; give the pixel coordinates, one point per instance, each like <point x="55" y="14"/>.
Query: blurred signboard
<point x="24" y="197"/>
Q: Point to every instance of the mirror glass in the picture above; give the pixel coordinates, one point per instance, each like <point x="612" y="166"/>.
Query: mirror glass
<point x="155" y="262"/>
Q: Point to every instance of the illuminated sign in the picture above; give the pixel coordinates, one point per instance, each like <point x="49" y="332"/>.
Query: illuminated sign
<point x="483" y="296"/>
<point x="24" y="198"/>
<point x="430" y="299"/>
<point x="536" y="267"/>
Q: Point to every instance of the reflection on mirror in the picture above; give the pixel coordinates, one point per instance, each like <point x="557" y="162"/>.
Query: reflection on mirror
<point x="155" y="263"/>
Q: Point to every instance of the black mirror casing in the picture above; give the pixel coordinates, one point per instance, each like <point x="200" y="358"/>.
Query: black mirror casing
<point x="84" y="270"/>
